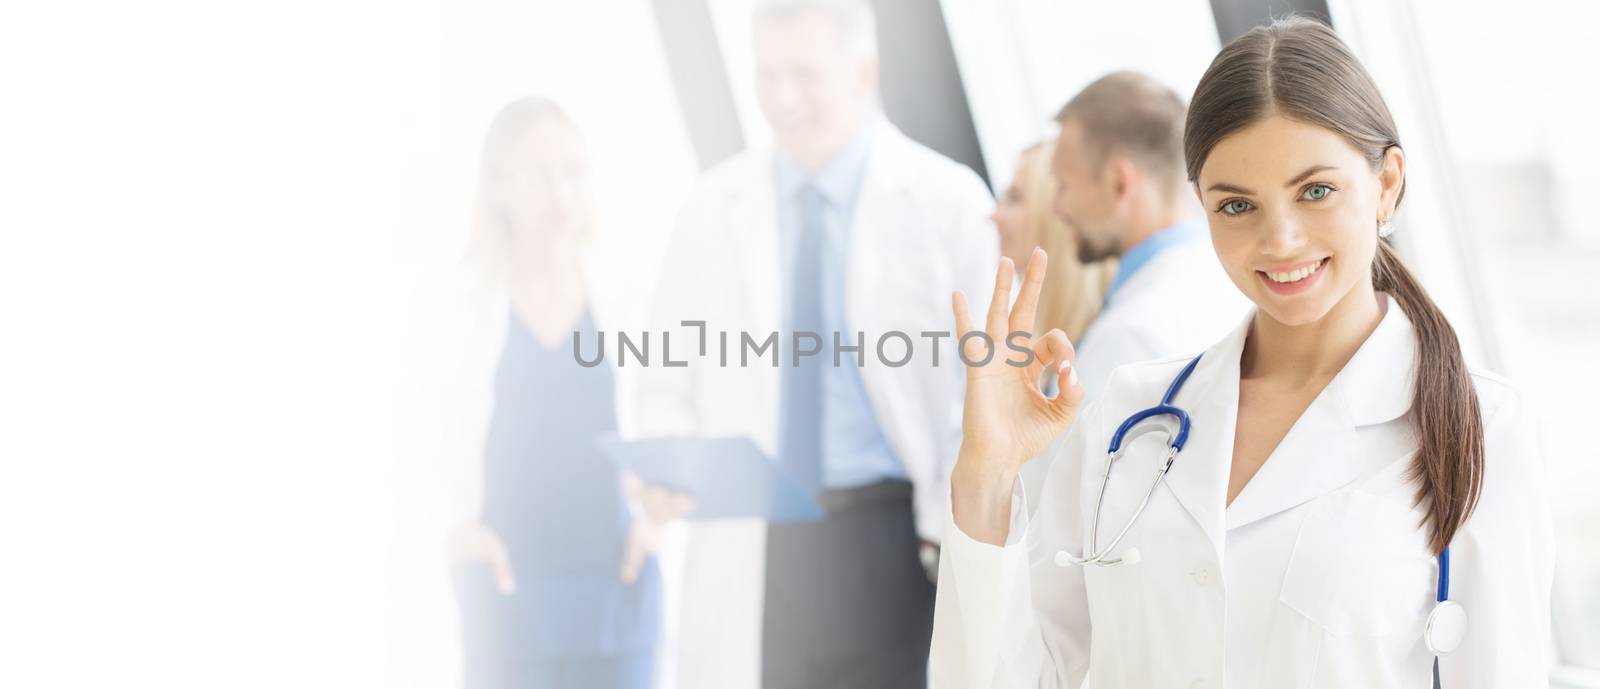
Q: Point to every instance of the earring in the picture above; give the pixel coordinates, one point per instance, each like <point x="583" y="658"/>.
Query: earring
<point x="1385" y="228"/>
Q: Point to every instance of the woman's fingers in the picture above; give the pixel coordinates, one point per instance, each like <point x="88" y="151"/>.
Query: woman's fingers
<point x="958" y="305"/>
<point x="1070" y="397"/>
<point x="1053" y="347"/>
<point x="633" y="554"/>
<point x="996" y="322"/>
<point x="1022" y="312"/>
<point x="976" y="348"/>
<point x="660" y="504"/>
<point x="657" y="503"/>
<point x="1049" y="350"/>
<point x="504" y="580"/>
<point x="632" y="487"/>
<point x="643" y="539"/>
<point x="683" y="504"/>
<point x="973" y="347"/>
<point x="1062" y="358"/>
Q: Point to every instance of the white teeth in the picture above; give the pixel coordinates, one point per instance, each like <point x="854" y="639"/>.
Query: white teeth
<point x="1295" y="275"/>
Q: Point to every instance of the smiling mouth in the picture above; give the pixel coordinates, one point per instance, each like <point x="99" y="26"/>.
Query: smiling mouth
<point x="1296" y="275"/>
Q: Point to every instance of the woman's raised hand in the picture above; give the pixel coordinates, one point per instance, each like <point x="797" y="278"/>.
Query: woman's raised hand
<point x="1007" y="419"/>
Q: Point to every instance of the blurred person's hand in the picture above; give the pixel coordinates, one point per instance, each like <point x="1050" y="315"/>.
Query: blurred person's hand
<point x="475" y="542"/>
<point x="1007" y="419"/>
<point x="654" y="508"/>
<point x="928" y="554"/>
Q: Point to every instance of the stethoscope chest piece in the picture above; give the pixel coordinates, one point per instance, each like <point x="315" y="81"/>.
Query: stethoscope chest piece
<point x="1446" y="627"/>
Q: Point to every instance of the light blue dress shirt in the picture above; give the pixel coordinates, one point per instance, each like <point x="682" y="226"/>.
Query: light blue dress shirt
<point x="854" y="450"/>
<point x="1133" y="259"/>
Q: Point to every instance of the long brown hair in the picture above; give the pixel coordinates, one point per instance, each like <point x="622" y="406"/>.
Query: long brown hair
<point x="1299" y="68"/>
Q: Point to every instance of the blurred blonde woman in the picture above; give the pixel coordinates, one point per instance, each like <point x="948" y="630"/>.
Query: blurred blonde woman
<point x="1025" y="218"/>
<point x="556" y="582"/>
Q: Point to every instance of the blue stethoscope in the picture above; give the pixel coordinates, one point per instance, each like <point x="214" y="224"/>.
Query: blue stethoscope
<point x="1446" y="625"/>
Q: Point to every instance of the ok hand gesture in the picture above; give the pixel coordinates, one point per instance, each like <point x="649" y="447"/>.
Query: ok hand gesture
<point x="1007" y="418"/>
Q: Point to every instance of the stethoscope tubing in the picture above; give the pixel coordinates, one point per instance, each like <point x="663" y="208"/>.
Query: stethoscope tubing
<point x="1446" y="614"/>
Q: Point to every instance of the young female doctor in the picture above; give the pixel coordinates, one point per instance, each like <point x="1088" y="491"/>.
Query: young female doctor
<point x="1339" y="471"/>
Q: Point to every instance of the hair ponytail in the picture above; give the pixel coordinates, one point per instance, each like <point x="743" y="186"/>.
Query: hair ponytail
<point x="1448" y="466"/>
<point x="1299" y="67"/>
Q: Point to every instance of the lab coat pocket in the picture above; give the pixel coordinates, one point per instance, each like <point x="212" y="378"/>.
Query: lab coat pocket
<point x="1360" y="568"/>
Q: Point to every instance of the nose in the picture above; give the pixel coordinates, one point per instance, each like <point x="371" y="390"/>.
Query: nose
<point x="1283" y="237"/>
<point x="781" y="91"/>
<point x="565" y="192"/>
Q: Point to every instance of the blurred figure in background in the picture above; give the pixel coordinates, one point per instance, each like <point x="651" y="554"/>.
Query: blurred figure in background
<point x="847" y="226"/>
<point x="555" y="581"/>
<point x="1119" y="160"/>
<point x="1073" y="292"/>
<point x="1025" y="218"/>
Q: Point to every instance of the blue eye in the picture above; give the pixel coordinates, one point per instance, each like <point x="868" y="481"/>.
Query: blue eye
<point x="1317" y="192"/>
<point x="1236" y="207"/>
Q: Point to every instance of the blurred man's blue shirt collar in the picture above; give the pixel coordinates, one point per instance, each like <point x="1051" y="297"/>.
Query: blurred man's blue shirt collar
<point x="1133" y="259"/>
<point x="839" y="180"/>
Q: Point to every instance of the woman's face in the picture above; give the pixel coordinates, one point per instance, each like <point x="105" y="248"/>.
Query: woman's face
<point x="1011" y="218"/>
<point x="544" y="184"/>
<point x="1294" y="211"/>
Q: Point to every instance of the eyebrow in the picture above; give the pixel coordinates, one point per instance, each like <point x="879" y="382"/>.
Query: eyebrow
<point x="1233" y="189"/>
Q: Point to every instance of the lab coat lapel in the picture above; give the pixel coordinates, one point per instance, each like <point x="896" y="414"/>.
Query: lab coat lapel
<point x="1199" y="475"/>
<point x="1323" y="450"/>
<point x="877" y="227"/>
<point x="1311" y="460"/>
<point x="754" y="218"/>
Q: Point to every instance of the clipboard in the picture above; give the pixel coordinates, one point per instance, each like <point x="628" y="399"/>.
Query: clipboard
<point x="728" y="476"/>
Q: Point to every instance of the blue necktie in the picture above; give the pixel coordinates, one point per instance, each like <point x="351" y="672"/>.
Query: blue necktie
<point x="800" y="434"/>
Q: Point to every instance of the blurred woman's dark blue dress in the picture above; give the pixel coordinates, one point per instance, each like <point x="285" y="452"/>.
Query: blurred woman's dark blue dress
<point x="556" y="503"/>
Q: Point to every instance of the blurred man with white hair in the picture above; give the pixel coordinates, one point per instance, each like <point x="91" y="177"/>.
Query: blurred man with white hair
<point x="846" y="226"/>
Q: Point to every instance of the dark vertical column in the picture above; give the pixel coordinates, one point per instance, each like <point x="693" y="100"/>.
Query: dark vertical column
<point x="700" y="78"/>
<point x="1234" y="17"/>
<point x="921" y="85"/>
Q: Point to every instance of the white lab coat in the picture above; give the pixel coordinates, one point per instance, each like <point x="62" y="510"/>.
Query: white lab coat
<point x="1180" y="302"/>
<point x="920" y="231"/>
<point x="1317" y="575"/>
